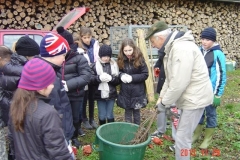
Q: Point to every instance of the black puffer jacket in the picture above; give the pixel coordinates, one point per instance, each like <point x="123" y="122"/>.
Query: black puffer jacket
<point x="95" y="81"/>
<point x="133" y="95"/>
<point x="43" y="137"/>
<point x="61" y="103"/>
<point x="10" y="75"/>
<point x="77" y="73"/>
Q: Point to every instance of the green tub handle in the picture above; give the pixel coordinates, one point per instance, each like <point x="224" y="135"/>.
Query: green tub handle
<point x="96" y="145"/>
<point x="95" y="148"/>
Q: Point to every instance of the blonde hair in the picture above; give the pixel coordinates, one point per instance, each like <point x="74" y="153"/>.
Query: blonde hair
<point x="14" y="46"/>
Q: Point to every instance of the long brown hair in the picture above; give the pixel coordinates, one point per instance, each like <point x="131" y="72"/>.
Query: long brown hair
<point x="21" y="101"/>
<point x="137" y="55"/>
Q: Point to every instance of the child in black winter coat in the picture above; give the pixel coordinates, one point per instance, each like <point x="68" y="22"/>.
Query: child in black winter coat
<point x="133" y="73"/>
<point x="35" y="129"/>
<point x="105" y="78"/>
<point x="75" y="74"/>
<point x="5" y="55"/>
<point x="25" y="49"/>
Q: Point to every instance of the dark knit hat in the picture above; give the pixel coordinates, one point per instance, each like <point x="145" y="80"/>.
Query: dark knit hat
<point x="52" y="45"/>
<point x="26" y="46"/>
<point x="209" y="33"/>
<point x="65" y="34"/>
<point x="36" y="75"/>
<point x="105" y="50"/>
<point x="156" y="27"/>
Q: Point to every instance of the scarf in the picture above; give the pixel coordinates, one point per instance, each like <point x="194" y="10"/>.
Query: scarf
<point x="103" y="86"/>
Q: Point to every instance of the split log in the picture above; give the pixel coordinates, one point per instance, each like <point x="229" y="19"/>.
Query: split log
<point x="47" y="27"/>
<point x="103" y="14"/>
<point x="9" y="15"/>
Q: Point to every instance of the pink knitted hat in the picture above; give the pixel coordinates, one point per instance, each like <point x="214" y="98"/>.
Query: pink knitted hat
<point x="36" y="75"/>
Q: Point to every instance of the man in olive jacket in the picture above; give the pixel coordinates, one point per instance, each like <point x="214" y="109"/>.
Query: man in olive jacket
<point x="187" y="82"/>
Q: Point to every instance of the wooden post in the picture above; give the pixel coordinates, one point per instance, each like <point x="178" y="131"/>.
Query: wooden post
<point x="149" y="81"/>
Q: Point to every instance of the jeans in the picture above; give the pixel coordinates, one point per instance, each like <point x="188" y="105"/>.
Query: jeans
<point x="3" y="151"/>
<point x="210" y="112"/>
<point x="77" y="110"/>
<point x="187" y="123"/>
<point x="105" y="109"/>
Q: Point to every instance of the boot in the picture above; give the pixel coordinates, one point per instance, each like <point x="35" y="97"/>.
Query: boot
<point x="87" y="125"/>
<point x="101" y="122"/>
<point x="197" y="133"/>
<point x="207" y="138"/>
<point x="75" y="141"/>
<point x="93" y="124"/>
<point x="110" y="120"/>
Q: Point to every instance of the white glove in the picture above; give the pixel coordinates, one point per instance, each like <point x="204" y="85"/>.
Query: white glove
<point x="109" y="77"/>
<point x="129" y="78"/>
<point x="124" y="78"/>
<point x="104" y="77"/>
<point x="65" y="85"/>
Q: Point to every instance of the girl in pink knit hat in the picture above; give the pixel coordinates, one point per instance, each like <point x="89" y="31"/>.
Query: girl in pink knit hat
<point x="35" y="127"/>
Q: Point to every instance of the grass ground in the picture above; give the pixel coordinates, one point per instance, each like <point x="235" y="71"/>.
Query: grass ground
<point x="226" y="138"/>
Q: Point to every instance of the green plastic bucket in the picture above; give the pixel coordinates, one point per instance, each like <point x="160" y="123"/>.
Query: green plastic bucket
<point x="110" y="140"/>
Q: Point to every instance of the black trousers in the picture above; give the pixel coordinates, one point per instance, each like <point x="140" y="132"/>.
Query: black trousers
<point x="132" y="116"/>
<point x="88" y="98"/>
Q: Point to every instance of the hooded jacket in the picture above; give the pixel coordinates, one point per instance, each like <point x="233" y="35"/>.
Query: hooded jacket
<point x="215" y="60"/>
<point x="187" y="82"/>
<point x="77" y="73"/>
<point x="10" y="75"/>
<point x="159" y="63"/>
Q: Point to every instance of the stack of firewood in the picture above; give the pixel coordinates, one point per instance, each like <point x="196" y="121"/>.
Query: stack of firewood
<point x="103" y="14"/>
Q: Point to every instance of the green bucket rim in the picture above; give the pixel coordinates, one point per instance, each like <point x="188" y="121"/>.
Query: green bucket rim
<point x="121" y="145"/>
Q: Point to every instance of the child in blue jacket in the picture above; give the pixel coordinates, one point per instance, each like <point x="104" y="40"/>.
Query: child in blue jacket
<point x="215" y="60"/>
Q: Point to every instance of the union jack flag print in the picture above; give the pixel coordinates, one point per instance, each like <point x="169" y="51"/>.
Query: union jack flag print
<point x="56" y="44"/>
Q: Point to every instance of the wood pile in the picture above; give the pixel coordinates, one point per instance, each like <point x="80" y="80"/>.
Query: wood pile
<point x="103" y="14"/>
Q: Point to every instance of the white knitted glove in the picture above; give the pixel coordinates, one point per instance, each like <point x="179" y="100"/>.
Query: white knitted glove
<point x="109" y="77"/>
<point x="124" y="78"/>
<point x="129" y="78"/>
<point x="65" y="85"/>
<point x="104" y="77"/>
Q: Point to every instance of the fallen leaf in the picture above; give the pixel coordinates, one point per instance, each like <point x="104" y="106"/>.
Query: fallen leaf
<point x="87" y="150"/>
